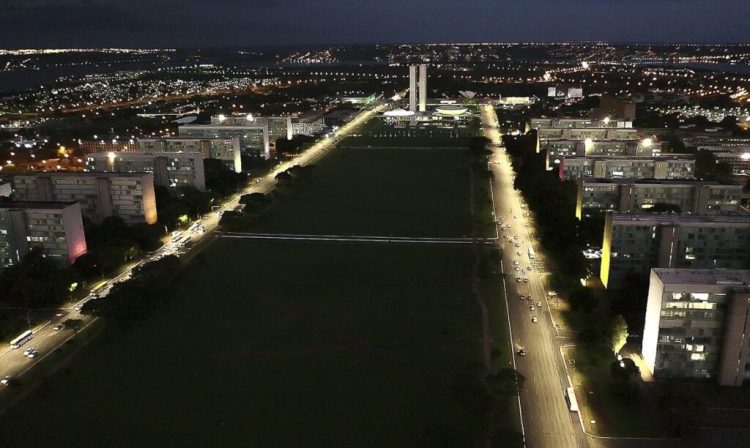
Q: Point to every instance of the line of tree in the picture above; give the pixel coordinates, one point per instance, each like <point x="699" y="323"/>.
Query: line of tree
<point x="149" y="286"/>
<point x="553" y="204"/>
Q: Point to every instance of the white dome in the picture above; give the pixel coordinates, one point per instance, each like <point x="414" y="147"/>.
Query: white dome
<point x="398" y="113"/>
<point x="452" y="110"/>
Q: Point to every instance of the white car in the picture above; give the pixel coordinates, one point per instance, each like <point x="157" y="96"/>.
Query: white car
<point x="534" y="320"/>
<point x="6" y="380"/>
<point x="58" y="327"/>
<point x="32" y="354"/>
<point x="28" y="351"/>
<point x="532" y="308"/>
<point x="516" y="263"/>
<point x="539" y="304"/>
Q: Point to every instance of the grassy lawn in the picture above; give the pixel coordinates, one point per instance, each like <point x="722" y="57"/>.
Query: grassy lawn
<point x="278" y="344"/>
<point x="378" y="133"/>
<point x="379" y="192"/>
<point x="613" y="415"/>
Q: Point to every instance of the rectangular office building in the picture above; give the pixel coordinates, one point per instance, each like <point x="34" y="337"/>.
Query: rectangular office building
<point x="557" y="149"/>
<point x="635" y="195"/>
<point x="633" y="243"/>
<point x="254" y="139"/>
<point x="667" y="167"/>
<point x="225" y="149"/>
<point x="170" y="169"/>
<point x="698" y="325"/>
<point x="129" y="196"/>
<point x="54" y="227"/>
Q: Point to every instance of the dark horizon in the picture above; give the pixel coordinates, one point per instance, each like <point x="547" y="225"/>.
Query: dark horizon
<point x="253" y="23"/>
<point x="373" y="43"/>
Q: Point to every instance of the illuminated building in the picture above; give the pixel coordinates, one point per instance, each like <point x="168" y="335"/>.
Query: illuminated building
<point x="109" y="145"/>
<point x="738" y="159"/>
<point x="698" y="325"/>
<point x="170" y="169"/>
<point x="129" y="196"/>
<point x="560" y="148"/>
<point x="254" y="139"/>
<point x="633" y="243"/>
<point x="634" y="195"/>
<point x="418" y="88"/>
<point x="225" y="149"/>
<point x="423" y="87"/>
<point x="623" y="167"/>
<point x="413" y="88"/>
<point x="54" y="227"/>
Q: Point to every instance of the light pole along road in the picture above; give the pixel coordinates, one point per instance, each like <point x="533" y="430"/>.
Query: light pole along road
<point x="547" y="421"/>
<point x="46" y="339"/>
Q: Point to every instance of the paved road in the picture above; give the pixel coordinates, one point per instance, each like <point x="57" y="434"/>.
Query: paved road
<point x="46" y="340"/>
<point x="546" y="419"/>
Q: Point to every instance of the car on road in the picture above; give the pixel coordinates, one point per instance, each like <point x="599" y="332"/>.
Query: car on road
<point x="27" y="351"/>
<point x="518" y="244"/>
<point x="534" y="320"/>
<point x="519" y="280"/>
<point x="532" y="307"/>
<point x="539" y="304"/>
<point x="32" y="354"/>
<point x="7" y="380"/>
<point x="516" y="263"/>
<point x="526" y="280"/>
<point x="58" y="327"/>
<point x="521" y="352"/>
<point x="518" y="253"/>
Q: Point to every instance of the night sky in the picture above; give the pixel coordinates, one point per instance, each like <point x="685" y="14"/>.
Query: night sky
<point x="194" y="23"/>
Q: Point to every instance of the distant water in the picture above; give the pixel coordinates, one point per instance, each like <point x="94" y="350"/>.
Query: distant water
<point x="740" y="69"/>
<point x="27" y="79"/>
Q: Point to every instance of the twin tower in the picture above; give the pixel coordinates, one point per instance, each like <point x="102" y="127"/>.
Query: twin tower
<point x="421" y="88"/>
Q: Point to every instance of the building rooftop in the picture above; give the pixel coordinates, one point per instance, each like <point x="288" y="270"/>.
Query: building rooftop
<point x="671" y="182"/>
<point x="35" y="205"/>
<point x="729" y="277"/>
<point x="673" y="157"/>
<point x="78" y="174"/>
<point x="146" y="155"/>
<point x="677" y="219"/>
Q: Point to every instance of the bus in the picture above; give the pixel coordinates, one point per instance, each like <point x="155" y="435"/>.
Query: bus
<point x="570" y="397"/>
<point x="531" y="253"/>
<point x="22" y="339"/>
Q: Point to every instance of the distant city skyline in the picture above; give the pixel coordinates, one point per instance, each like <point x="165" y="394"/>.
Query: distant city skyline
<point x="195" y="23"/>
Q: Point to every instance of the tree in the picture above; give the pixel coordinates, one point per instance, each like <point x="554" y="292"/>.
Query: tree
<point x="505" y="383"/>
<point x="618" y="332"/>
<point x="582" y="299"/>
<point x="73" y="324"/>
<point x="506" y="439"/>
<point x="284" y="177"/>
<point x="221" y="180"/>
